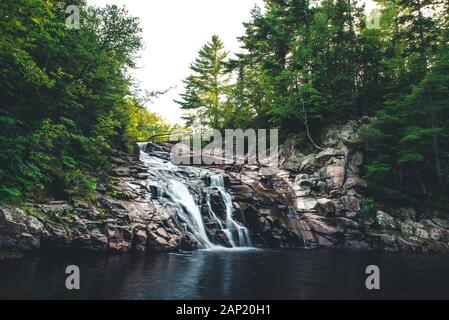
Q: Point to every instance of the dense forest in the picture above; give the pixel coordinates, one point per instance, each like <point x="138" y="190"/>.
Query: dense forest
<point x="308" y="65"/>
<point x="68" y="101"/>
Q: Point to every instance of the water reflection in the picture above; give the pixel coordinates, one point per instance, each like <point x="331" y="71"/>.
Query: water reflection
<point x="254" y="274"/>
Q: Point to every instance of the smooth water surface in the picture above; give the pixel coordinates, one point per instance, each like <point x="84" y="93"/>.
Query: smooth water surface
<point x="237" y="274"/>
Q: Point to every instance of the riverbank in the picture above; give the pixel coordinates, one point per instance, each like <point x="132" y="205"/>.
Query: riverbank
<point x="147" y="204"/>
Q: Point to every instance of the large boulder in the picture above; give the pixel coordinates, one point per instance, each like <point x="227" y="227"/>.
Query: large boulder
<point x="119" y="238"/>
<point x="18" y="231"/>
<point x="336" y="176"/>
<point x="326" y="207"/>
<point x="351" y="205"/>
<point x="329" y="153"/>
<point x="308" y="164"/>
<point x="346" y="135"/>
<point x="320" y="226"/>
<point x="292" y="153"/>
<point x="386" y="221"/>
<point x="355" y="182"/>
<point x="307" y="204"/>
<point x="355" y="161"/>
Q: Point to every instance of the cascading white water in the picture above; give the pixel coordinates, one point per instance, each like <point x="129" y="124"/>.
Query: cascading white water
<point x="171" y="180"/>
<point x="232" y="226"/>
<point x="188" y="210"/>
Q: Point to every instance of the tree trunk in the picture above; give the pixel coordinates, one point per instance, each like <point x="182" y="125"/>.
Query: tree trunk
<point x="419" y="177"/>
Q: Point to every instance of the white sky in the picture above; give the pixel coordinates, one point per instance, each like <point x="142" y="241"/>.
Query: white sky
<point x="173" y="32"/>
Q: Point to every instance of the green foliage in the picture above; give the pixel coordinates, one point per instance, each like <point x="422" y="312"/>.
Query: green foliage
<point x="305" y="62"/>
<point x="206" y="87"/>
<point x="305" y="67"/>
<point x="67" y="102"/>
<point x="80" y="184"/>
<point x="11" y="195"/>
<point x="407" y="143"/>
<point x="144" y="124"/>
<point x="64" y="95"/>
<point x="369" y="206"/>
<point x="407" y="140"/>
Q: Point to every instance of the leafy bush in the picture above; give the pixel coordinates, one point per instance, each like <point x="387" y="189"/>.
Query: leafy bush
<point x="369" y="206"/>
<point x="64" y="96"/>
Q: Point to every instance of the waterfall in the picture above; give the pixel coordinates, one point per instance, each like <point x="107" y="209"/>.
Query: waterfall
<point x="172" y="184"/>
<point x="188" y="210"/>
<point x="232" y="226"/>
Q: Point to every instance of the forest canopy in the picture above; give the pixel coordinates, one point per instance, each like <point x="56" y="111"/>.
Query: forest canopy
<point x="67" y="99"/>
<point x="309" y="64"/>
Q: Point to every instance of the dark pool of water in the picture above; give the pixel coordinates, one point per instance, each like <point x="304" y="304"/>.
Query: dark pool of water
<point x="262" y="274"/>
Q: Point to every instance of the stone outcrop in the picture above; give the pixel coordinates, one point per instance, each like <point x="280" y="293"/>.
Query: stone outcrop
<point x="19" y="230"/>
<point x="315" y="200"/>
<point x="264" y="206"/>
<point x="120" y="220"/>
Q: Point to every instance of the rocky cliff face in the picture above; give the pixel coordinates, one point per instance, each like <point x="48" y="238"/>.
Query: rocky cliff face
<point x="121" y="220"/>
<point x="314" y="201"/>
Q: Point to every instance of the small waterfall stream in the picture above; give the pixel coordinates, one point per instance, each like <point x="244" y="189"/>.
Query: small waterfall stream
<point x="232" y="227"/>
<point x="188" y="211"/>
<point x="173" y="184"/>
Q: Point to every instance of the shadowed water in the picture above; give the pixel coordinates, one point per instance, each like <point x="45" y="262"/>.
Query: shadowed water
<point x="239" y="274"/>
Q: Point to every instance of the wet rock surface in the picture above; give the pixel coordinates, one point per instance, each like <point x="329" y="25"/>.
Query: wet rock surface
<point x="134" y="211"/>
<point x="328" y="195"/>
<point x="315" y="200"/>
<point x="122" y="219"/>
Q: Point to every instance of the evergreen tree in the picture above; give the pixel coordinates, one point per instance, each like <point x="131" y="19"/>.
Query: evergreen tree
<point x="306" y="67"/>
<point x="206" y="89"/>
<point x="303" y="63"/>
<point x="406" y="141"/>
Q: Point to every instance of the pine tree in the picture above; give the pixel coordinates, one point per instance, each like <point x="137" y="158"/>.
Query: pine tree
<point x="206" y="89"/>
<point x="418" y="34"/>
<point x="305" y="61"/>
<point x="406" y="142"/>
